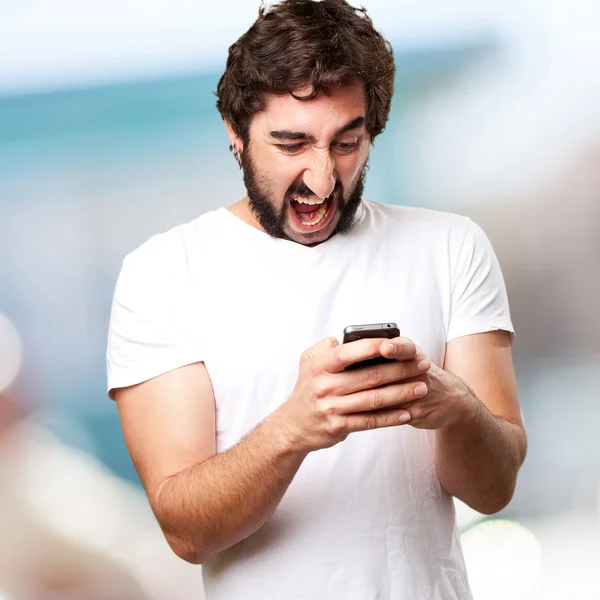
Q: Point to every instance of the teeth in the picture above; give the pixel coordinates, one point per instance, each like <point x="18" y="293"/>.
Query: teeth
<point x="310" y="200"/>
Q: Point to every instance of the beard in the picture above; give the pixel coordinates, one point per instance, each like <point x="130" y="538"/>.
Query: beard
<point x="273" y="221"/>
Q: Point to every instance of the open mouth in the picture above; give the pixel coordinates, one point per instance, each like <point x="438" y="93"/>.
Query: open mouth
<point x="310" y="213"/>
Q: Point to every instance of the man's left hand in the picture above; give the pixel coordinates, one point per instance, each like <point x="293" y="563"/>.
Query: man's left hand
<point x="448" y="400"/>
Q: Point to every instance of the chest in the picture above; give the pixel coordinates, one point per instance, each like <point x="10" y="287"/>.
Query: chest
<point x="259" y="313"/>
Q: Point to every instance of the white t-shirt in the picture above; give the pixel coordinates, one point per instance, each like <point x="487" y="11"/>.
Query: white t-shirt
<point x="368" y="518"/>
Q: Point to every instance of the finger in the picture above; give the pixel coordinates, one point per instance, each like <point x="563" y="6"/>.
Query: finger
<point x="376" y="420"/>
<point x="425" y="363"/>
<point x="352" y="352"/>
<point x="375" y="399"/>
<point x="320" y="348"/>
<point x="421" y="377"/>
<point x="374" y="376"/>
<point x="389" y="350"/>
<point x="400" y="348"/>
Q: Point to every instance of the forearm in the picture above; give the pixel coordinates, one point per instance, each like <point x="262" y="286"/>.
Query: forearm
<point x="223" y="500"/>
<point x="478" y="458"/>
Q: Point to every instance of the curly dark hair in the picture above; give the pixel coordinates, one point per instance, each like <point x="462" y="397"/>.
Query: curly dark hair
<point x="300" y="43"/>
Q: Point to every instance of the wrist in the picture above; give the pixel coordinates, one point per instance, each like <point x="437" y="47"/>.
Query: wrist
<point x="285" y="436"/>
<point x="468" y="406"/>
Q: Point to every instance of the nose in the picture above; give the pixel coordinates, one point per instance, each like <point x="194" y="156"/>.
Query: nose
<point x="319" y="176"/>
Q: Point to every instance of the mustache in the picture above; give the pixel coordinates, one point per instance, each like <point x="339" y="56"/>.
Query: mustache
<point x="303" y="190"/>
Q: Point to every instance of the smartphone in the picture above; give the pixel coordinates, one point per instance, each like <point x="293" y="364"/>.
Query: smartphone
<point x="376" y="330"/>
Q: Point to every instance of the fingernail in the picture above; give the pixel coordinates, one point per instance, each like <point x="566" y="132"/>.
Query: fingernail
<point x="424" y="364"/>
<point x="391" y="348"/>
<point x="404" y="417"/>
<point x="420" y="390"/>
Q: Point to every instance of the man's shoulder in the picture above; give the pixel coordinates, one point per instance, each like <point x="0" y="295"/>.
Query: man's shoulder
<point x="418" y="219"/>
<point x="168" y="246"/>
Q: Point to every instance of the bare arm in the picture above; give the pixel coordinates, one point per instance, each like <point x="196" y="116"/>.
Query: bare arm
<point x="479" y="455"/>
<point x="223" y="500"/>
<point x="204" y="502"/>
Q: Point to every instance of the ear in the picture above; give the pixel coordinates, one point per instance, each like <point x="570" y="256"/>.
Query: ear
<point x="234" y="139"/>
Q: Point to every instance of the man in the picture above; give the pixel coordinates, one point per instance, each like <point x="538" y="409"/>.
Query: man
<point x="313" y="481"/>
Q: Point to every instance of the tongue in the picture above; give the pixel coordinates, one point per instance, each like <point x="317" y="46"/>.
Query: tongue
<point x="306" y="217"/>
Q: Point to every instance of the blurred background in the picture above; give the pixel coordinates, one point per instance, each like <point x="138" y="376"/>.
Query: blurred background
<point x="109" y="134"/>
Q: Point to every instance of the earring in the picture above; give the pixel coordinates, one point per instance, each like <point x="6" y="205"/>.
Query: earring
<point x="237" y="156"/>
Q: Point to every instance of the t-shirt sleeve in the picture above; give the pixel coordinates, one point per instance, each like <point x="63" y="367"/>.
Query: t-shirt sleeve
<point x="479" y="301"/>
<point x="151" y="328"/>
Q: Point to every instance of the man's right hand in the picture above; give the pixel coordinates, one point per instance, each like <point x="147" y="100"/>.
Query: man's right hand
<point x="328" y="403"/>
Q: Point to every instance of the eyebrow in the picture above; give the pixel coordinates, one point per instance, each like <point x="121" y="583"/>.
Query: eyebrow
<point x="286" y="135"/>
